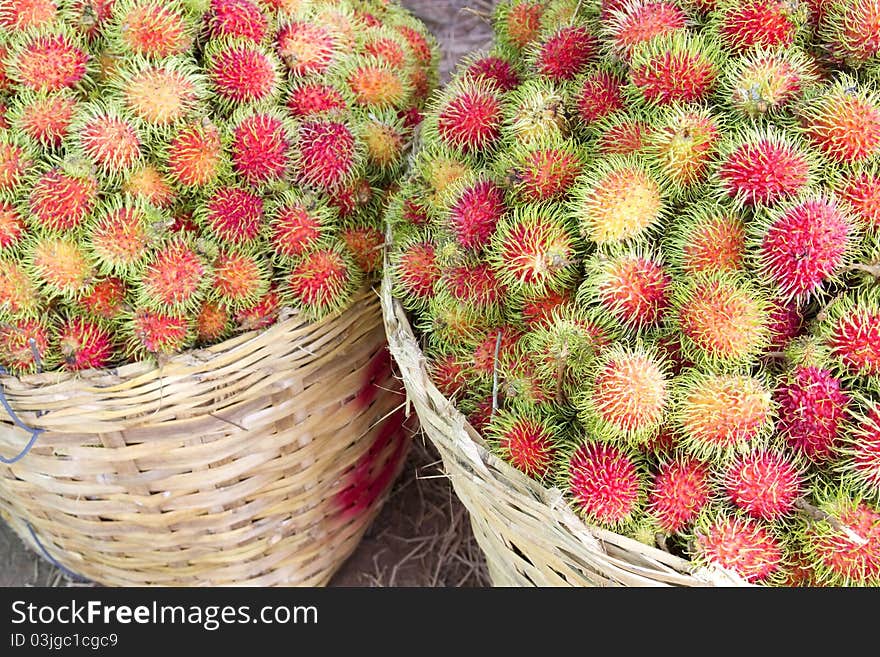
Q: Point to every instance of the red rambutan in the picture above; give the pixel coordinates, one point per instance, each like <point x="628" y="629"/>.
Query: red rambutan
<point x="15" y="162"/>
<point x="61" y="266"/>
<point x="106" y="139"/>
<point x="708" y="238"/>
<point x="638" y="21"/>
<point x="44" y="118"/>
<point x="239" y="279"/>
<point x="475" y="213"/>
<point x="120" y="237"/>
<point x="262" y="314"/>
<point x="599" y="94"/>
<point x="765" y="483"/>
<point x="850" y="329"/>
<point x="495" y="69"/>
<point x="26" y="346"/>
<point x="416" y="272"/>
<point x="525" y="440"/>
<point x="61" y="200"/>
<point x="19" y="294"/>
<point x="106" y="299"/>
<point x="307" y="48"/>
<point x="84" y="344"/>
<point x="520" y="22"/>
<point x="681" y="67"/>
<point x="241" y="73"/>
<point x="307" y="98"/>
<point x="470" y="116"/>
<point x="236" y="18"/>
<point x="322" y="282"/>
<point x="745" y="546"/>
<point x="843" y="121"/>
<point x="151" y="28"/>
<point x="365" y="244"/>
<point x="681" y="489"/>
<point x="213" y="323"/>
<point x="12" y="227"/>
<point x="566" y="53"/>
<point x="621" y="134"/>
<point x="297" y="225"/>
<point x="861" y="190"/>
<point x="859" y="465"/>
<point x="174" y="278"/>
<point x="261" y="143"/>
<point x="232" y="214"/>
<point x="327" y="154"/>
<point x="745" y="24"/>
<point x="194" y="156"/>
<point x="155" y="333"/>
<point x="20" y="15"/>
<point x="851" y="31"/>
<point x="47" y="61"/>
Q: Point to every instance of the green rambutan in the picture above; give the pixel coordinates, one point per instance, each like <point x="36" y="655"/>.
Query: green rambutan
<point x="475" y="211"/>
<point x="60" y="265"/>
<point x="598" y="94"/>
<point x="850" y="329"/>
<point x="174" y="279"/>
<point x="84" y="344"/>
<point x="680" y="490"/>
<point x="841" y="540"/>
<point x="803" y="246"/>
<point x="721" y="415"/>
<point x="627" y="394"/>
<point x="239" y="279"/>
<point x="26" y="346"/>
<point x="155" y="29"/>
<point x="765" y="483"/>
<point x="232" y="214"/>
<point x="44" y="118"/>
<point x="534" y="250"/>
<point x="241" y="73"/>
<point x="683" y="142"/>
<point x="722" y="317"/>
<point x="619" y="199"/>
<point x="681" y="67"/>
<point x="525" y="439"/>
<point x="519" y="22"/>
<point x="750" y="548"/>
<point x="19" y="293"/>
<point x="236" y="18"/>
<point x="637" y="21"/>
<point x="385" y="139"/>
<point x="46" y="60"/>
<point x="450" y="323"/>
<point x="767" y="82"/>
<point x="605" y="483"/>
<point x="261" y="144"/>
<point x="759" y="167"/>
<point x="194" y="156"/>
<point x="708" y="237"/>
<point x="842" y="121"/>
<point x="564" y="54"/>
<point x="631" y="285"/>
<point x="327" y="154"/>
<point x="534" y="114"/>
<point x="154" y="333"/>
<point x="322" y="282"/>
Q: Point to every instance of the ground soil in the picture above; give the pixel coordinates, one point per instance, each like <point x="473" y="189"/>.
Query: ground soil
<point x="422" y="536"/>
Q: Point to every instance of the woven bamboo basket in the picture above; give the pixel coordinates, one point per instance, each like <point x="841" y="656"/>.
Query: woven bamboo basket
<point x="259" y="461"/>
<point x="529" y="535"/>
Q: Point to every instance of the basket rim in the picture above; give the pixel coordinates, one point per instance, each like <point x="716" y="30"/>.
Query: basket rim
<point x="473" y="447"/>
<point x="288" y="317"/>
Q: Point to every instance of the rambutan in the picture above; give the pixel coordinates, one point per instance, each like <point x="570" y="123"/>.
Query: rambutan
<point x="44" y="118"/>
<point x="785" y="323"/>
<point x="534" y="114"/>
<point x="496" y="69"/>
<point x="261" y="143"/>
<point x="106" y="139"/>
<point x="842" y="120"/>
<point x="449" y="374"/>
<point x="89" y="17"/>
<point x="742" y="25"/>
<point x="84" y="344"/>
<point x="861" y="190"/>
<point x="469" y="117"/>
<point x="766" y="82"/>
<point x="60" y="199"/>
<point x="194" y="156"/>
<point x="213" y="323"/>
<point x="12" y="227"/>
<point x="850" y="329"/>
<point x="232" y="214"/>
<point x="60" y="265"/>
<point x="621" y="134"/>
<point x="19" y="293"/>
<point x="375" y="85"/>
<point x="681" y="489"/>
<point x="236" y="18"/>
<point x="765" y="483"/>
<point x="681" y="67"/>
<point x="566" y="53"/>
<point x="297" y="225"/>
<point x="533" y="249"/>
<point x="604" y="483"/>
<point x="106" y="300"/>
<point x="308" y="98"/>
<point x="21" y="15"/>
<point x="637" y="21"/>
<point x="709" y="237"/>
<point x="322" y="282"/>
<point x="683" y="143"/>
<point x="631" y="285"/>
<point x="721" y="415"/>
<point x="544" y="174"/>
<point x="618" y="200"/>
<point x="476" y="285"/>
<point x="851" y="30"/>
<point x="327" y="154"/>
<point x="841" y="540"/>
<point x="174" y="279"/>
<point x="241" y="73"/>
<point x="801" y="247"/>
<point x="475" y="213"/>
<point x="537" y="310"/>
<point x="519" y="21"/>
<point x="16" y="160"/>
<point x="763" y="166"/>
<point x="307" y="48"/>
<point x="239" y="279"/>
<point x="365" y="244"/>
<point x="155" y="333"/>
<point x="48" y="60"/>
<point x="262" y="314"/>
<point x="154" y="29"/>
<point x="26" y="346"/>
<point x="525" y="439"/>
<point x="722" y="317"/>
<point x="750" y="548"/>
<point x="416" y="272"/>
<point x="627" y="395"/>
<point x="599" y="94"/>
<point x="385" y="138"/>
<point x="859" y="465"/>
<point x="147" y="184"/>
<point x="121" y="236"/>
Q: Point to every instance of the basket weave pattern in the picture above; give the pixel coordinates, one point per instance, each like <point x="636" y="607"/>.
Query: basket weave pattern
<point x="259" y="461"/>
<point x="529" y="535"/>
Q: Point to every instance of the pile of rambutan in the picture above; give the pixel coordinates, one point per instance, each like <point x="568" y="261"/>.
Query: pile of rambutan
<point x="174" y="172"/>
<point x="640" y="241"/>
